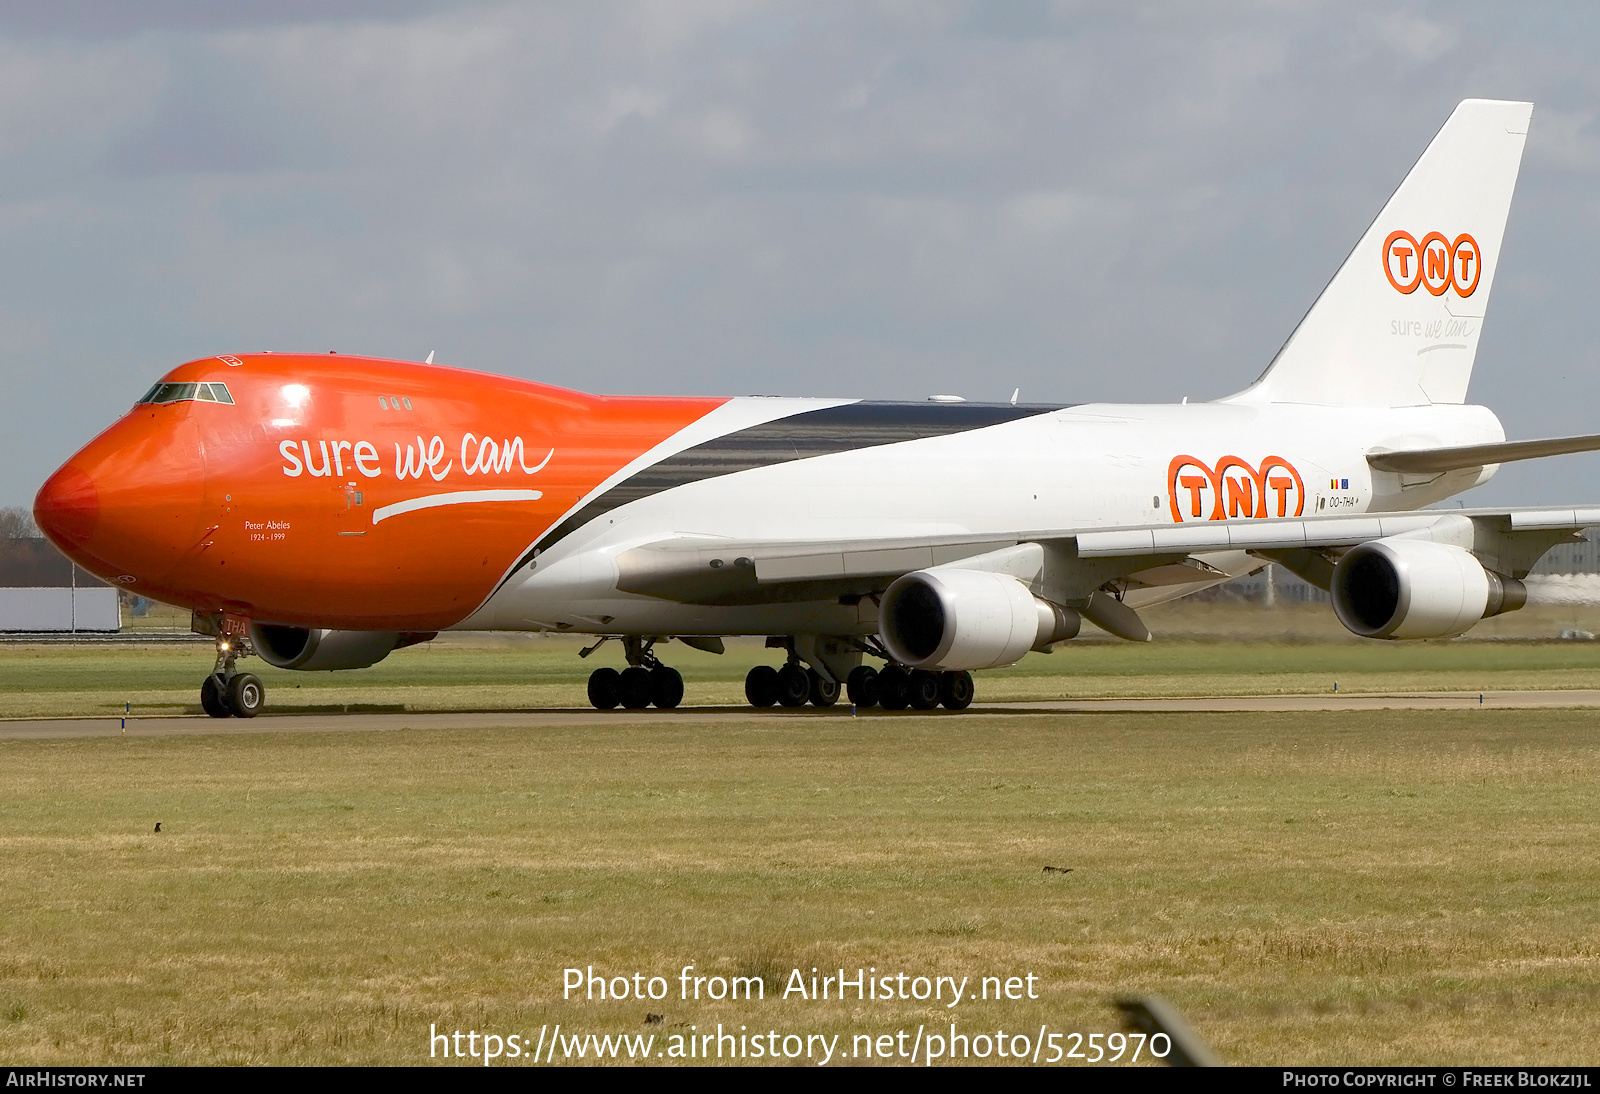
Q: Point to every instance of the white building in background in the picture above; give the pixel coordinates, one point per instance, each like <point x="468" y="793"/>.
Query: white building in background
<point x="42" y="592"/>
<point x="60" y="610"/>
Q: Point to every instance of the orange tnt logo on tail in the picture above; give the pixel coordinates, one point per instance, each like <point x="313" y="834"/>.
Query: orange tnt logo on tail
<point x="1434" y="262"/>
<point x="1234" y="488"/>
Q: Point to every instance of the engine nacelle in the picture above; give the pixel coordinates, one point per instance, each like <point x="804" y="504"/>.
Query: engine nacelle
<point x="946" y="618"/>
<point x="313" y="649"/>
<point x="1407" y="588"/>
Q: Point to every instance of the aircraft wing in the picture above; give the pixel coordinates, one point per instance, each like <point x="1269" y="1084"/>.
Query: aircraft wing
<point x="1328" y="531"/>
<point x="706" y="570"/>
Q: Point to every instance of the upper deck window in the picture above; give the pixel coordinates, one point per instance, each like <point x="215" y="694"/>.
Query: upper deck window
<point x="180" y="393"/>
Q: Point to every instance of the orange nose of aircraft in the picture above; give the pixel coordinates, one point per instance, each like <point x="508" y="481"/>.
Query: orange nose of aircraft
<point x="130" y="504"/>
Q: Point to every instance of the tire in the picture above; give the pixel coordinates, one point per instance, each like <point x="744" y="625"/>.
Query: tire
<point x="794" y="685"/>
<point x="605" y="689"/>
<point x="633" y="687"/>
<point x="214" y="697"/>
<point x="956" y="690"/>
<point x="923" y="690"/>
<point x="666" y="687"/>
<point x="246" y="696"/>
<point x="823" y="693"/>
<point x="894" y="685"/>
<point x="761" y="686"/>
<point x="862" y="686"/>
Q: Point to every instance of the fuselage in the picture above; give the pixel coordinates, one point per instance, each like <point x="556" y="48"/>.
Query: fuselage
<point x="364" y="494"/>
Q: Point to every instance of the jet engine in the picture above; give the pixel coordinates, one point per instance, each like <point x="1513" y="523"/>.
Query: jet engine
<point x="967" y="619"/>
<point x="1406" y="588"/>
<point x="313" y="649"/>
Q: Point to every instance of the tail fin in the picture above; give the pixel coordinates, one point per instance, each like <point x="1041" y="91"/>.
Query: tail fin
<point x="1398" y="325"/>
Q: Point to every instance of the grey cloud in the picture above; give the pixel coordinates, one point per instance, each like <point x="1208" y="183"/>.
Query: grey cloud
<point x="881" y="199"/>
<point x="103" y="19"/>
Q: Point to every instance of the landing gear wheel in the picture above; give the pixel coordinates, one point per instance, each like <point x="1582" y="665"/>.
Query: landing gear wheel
<point x="666" y="687"/>
<point x="214" y="697"/>
<point x="605" y="688"/>
<point x="863" y="686"/>
<point x="894" y="688"/>
<point x="923" y="691"/>
<point x="794" y="685"/>
<point x="761" y="686"/>
<point x="633" y="687"/>
<point x="956" y="690"/>
<point x="824" y="693"/>
<point x="246" y="696"/>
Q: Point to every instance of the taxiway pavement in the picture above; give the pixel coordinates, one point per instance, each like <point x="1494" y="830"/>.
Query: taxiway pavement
<point x="390" y="720"/>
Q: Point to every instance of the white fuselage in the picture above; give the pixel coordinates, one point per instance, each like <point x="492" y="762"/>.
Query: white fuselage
<point x="1095" y="466"/>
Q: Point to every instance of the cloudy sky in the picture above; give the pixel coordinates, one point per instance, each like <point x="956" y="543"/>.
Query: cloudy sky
<point x="885" y="199"/>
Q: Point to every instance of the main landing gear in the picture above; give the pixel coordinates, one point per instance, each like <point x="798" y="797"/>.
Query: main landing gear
<point x="794" y="685"/>
<point x="645" y="682"/>
<point x="895" y="688"/>
<point x="813" y="673"/>
<point x="228" y="692"/>
<point x="892" y="688"/>
<point x="820" y="670"/>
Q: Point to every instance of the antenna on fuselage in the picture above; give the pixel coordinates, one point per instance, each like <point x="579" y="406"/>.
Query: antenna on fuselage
<point x="429" y="361"/>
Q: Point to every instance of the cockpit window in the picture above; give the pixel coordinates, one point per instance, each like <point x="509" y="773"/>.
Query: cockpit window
<point x="179" y="393"/>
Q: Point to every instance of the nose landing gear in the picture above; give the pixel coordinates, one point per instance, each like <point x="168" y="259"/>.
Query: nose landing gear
<point x="228" y="692"/>
<point x="214" y="697"/>
<point x="246" y="695"/>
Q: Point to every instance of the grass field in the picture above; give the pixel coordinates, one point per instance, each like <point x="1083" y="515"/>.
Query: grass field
<point x="1377" y="888"/>
<point x="1382" y="887"/>
<point x="477" y="672"/>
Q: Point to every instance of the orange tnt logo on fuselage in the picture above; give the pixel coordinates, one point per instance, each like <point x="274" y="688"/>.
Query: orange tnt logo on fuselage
<point x="1433" y="262"/>
<point x="1234" y="488"/>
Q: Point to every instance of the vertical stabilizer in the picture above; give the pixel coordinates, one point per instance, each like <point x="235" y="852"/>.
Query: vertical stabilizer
<point x="1398" y="325"/>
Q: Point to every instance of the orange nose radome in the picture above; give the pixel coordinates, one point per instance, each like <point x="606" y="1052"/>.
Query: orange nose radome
<point x="128" y="506"/>
<point x="67" y="507"/>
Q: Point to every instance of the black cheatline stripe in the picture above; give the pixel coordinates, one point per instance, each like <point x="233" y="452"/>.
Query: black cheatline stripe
<point x="797" y="437"/>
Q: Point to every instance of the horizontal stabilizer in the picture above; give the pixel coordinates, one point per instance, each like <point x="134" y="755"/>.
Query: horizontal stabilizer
<point x="1433" y="460"/>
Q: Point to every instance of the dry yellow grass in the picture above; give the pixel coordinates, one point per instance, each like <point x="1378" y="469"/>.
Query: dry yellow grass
<point x="1394" y="887"/>
<point x="479" y="672"/>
